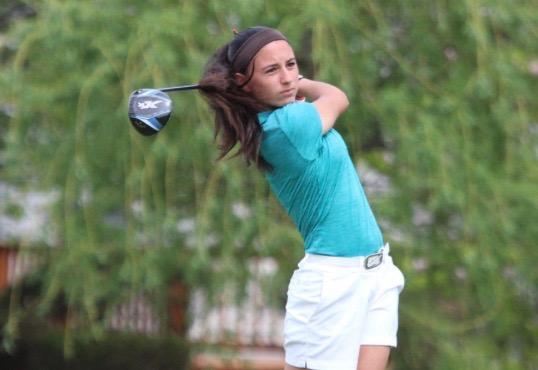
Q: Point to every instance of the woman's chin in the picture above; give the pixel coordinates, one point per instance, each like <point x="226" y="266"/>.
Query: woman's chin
<point x="288" y="101"/>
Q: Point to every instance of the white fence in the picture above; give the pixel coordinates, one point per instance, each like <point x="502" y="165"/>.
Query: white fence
<point x="251" y="323"/>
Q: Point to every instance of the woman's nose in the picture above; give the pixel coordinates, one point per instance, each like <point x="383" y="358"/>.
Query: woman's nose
<point x="286" y="76"/>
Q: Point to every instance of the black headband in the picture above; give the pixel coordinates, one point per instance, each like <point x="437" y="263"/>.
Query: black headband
<point x="251" y="46"/>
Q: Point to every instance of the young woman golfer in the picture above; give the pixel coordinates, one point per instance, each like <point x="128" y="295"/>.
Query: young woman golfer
<point x="342" y="308"/>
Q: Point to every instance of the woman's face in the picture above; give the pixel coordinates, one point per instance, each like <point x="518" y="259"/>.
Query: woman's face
<point x="276" y="75"/>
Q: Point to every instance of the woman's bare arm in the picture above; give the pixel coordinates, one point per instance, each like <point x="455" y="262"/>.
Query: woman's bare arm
<point x="330" y="101"/>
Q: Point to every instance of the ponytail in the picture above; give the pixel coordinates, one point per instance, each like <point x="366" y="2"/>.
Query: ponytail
<point x="236" y="111"/>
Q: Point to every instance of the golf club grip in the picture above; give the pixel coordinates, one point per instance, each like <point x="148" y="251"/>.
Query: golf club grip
<point x="179" y="88"/>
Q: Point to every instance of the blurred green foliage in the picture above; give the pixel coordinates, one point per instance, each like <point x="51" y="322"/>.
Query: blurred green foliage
<point x="41" y="347"/>
<point x="443" y="102"/>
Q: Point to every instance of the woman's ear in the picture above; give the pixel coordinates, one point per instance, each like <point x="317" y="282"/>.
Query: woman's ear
<point x="240" y="79"/>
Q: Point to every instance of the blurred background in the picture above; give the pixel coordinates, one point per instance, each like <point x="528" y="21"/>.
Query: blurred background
<point x="122" y="251"/>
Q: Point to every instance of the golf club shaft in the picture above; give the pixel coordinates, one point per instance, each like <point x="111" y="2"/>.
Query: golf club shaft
<point x="179" y="88"/>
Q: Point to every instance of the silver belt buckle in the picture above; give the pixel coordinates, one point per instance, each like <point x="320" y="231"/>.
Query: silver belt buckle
<point x="373" y="260"/>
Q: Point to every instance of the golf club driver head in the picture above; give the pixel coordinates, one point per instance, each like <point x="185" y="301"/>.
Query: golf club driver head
<point x="149" y="110"/>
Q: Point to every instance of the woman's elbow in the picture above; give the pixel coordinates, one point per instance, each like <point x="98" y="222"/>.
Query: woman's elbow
<point x="344" y="101"/>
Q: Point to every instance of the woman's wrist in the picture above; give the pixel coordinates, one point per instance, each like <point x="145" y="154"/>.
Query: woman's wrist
<point x="300" y="97"/>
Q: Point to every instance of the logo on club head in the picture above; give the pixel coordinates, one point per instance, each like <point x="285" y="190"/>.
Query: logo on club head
<point x="148" y="104"/>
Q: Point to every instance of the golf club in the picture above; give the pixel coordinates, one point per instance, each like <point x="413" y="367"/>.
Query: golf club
<point x="150" y="109"/>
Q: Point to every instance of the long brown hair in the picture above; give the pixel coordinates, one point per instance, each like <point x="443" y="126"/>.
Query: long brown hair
<point x="236" y="111"/>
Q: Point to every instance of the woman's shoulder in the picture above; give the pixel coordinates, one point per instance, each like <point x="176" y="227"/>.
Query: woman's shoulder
<point x="290" y="113"/>
<point x="297" y="107"/>
<point x="298" y="122"/>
